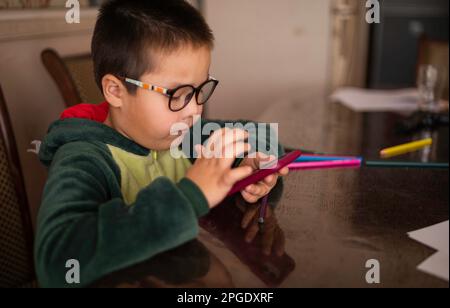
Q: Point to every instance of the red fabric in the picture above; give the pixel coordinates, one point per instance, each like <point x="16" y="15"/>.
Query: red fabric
<point x="97" y="113"/>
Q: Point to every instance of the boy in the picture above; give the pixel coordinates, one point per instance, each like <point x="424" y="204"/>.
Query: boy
<point x="116" y="195"/>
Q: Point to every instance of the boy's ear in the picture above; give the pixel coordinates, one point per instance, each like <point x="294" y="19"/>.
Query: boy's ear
<point x="113" y="90"/>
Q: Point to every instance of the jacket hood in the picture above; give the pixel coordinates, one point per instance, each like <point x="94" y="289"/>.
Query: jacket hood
<point x="84" y="122"/>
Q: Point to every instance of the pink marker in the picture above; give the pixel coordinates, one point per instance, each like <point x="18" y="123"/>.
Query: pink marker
<point x="326" y="165"/>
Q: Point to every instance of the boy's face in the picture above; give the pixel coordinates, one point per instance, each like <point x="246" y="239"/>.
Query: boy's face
<point x="145" y="117"/>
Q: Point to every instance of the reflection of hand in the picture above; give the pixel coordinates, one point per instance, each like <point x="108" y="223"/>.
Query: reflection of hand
<point x="272" y="237"/>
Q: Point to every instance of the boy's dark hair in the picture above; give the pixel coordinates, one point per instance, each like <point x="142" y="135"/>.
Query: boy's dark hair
<point x="127" y="30"/>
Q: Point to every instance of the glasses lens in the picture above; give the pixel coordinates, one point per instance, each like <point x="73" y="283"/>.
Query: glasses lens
<point x="206" y="91"/>
<point x="181" y="98"/>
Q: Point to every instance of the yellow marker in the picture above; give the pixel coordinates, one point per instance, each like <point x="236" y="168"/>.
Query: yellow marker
<point x="406" y="148"/>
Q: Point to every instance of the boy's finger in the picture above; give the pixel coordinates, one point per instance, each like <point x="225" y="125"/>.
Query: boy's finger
<point x="258" y="189"/>
<point x="228" y="147"/>
<point x="226" y="160"/>
<point x="235" y="150"/>
<point x="269" y="162"/>
<point x="249" y="198"/>
<point x="214" y="140"/>
<point x="225" y="136"/>
<point x="284" y="171"/>
<point x="199" y="149"/>
<point x="233" y="136"/>
<point x="261" y="158"/>
<point x="251" y="189"/>
<point x="269" y="179"/>
<point x="234" y="175"/>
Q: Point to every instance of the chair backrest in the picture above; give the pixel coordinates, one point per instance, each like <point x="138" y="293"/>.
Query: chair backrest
<point x="74" y="77"/>
<point x="435" y="52"/>
<point x="16" y="235"/>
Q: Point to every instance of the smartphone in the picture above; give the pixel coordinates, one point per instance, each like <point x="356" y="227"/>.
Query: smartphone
<point x="262" y="173"/>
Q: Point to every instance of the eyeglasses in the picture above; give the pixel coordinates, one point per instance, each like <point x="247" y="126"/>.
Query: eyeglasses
<point x="181" y="96"/>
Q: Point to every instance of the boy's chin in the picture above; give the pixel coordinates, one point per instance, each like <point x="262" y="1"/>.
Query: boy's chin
<point x="176" y="141"/>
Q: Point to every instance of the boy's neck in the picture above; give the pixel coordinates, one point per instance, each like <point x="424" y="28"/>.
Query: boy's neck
<point x="109" y="122"/>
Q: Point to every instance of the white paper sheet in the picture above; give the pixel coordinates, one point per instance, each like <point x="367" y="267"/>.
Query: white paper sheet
<point x="366" y="100"/>
<point x="436" y="265"/>
<point x="436" y="237"/>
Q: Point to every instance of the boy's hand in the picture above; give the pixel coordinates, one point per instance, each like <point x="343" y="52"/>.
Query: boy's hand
<point x="254" y="192"/>
<point x="212" y="171"/>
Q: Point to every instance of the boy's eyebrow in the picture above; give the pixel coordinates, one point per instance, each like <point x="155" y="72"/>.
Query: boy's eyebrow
<point x="179" y="84"/>
<point x="176" y="85"/>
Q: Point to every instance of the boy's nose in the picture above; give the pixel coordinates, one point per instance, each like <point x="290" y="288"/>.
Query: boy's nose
<point x="192" y="108"/>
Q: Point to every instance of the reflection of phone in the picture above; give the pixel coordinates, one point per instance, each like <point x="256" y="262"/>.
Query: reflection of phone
<point x="262" y="173"/>
<point x="224" y="222"/>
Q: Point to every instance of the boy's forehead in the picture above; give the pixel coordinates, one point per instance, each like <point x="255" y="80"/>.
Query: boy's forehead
<point x="181" y="66"/>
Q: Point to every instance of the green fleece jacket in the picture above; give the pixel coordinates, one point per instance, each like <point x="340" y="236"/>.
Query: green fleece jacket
<point x="109" y="203"/>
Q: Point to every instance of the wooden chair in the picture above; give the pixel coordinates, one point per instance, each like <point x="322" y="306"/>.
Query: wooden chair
<point x="16" y="235"/>
<point x="74" y="77"/>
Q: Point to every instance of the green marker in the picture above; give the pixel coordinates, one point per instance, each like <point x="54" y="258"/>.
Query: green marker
<point x="400" y="164"/>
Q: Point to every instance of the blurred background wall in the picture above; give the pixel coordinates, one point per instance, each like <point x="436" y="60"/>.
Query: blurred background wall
<point x="266" y="51"/>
